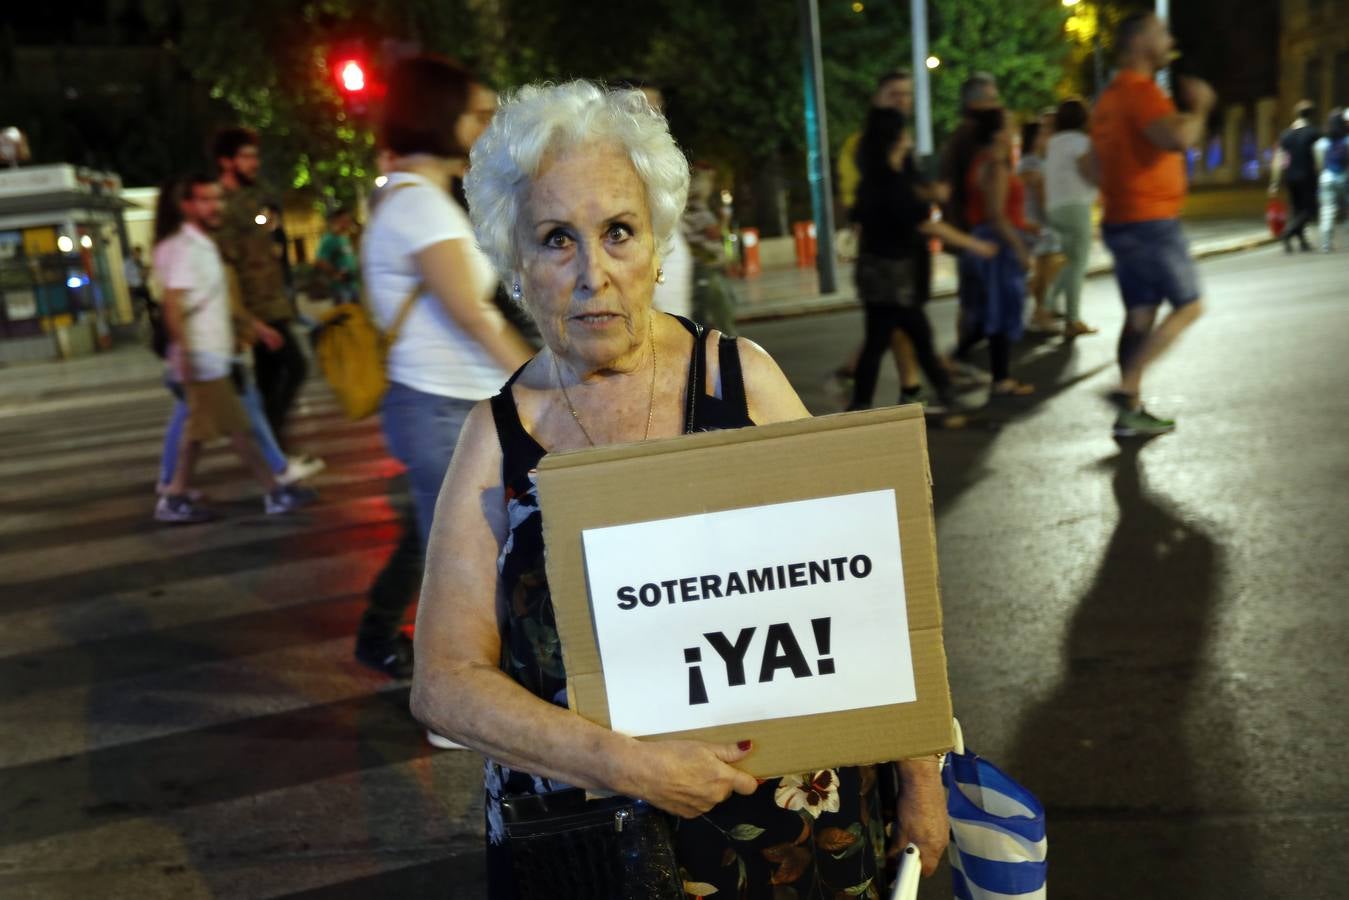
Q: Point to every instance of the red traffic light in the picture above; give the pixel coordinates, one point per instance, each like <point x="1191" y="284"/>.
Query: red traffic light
<point x="351" y="76"/>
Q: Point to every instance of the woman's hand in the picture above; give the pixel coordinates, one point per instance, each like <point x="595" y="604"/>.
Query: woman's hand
<point x="922" y="812"/>
<point x="687" y="778"/>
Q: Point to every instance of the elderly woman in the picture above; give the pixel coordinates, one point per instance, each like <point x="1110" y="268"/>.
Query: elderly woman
<point x="575" y="194"/>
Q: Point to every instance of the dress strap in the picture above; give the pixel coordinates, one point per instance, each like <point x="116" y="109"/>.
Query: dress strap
<point x="517" y="445"/>
<point x="697" y="379"/>
<point x="732" y="377"/>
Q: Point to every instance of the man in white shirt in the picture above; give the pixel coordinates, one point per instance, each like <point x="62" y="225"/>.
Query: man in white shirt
<point x="197" y="313"/>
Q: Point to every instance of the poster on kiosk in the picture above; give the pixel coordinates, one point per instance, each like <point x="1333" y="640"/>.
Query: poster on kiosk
<point x="777" y="584"/>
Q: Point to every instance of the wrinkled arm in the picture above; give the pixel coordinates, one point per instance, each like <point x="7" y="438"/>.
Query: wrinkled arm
<point x="922" y="811"/>
<point x="459" y="691"/>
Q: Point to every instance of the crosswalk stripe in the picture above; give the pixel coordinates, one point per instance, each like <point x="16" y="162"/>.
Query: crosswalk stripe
<point x="180" y="705"/>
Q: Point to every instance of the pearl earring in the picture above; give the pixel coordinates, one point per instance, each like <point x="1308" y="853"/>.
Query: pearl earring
<point x="660" y="276"/>
<point x="516" y="294"/>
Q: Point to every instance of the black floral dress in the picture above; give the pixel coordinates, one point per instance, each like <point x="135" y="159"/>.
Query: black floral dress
<point x="805" y="835"/>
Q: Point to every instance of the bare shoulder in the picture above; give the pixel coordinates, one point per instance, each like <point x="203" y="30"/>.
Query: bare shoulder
<point x="771" y="396"/>
<point x="477" y="457"/>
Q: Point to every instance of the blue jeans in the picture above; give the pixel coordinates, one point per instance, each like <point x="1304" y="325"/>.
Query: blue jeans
<point x="421" y="430"/>
<point x="1152" y="263"/>
<point x="262" y="432"/>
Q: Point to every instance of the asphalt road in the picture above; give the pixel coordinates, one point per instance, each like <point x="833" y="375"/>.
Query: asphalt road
<point x="1150" y="637"/>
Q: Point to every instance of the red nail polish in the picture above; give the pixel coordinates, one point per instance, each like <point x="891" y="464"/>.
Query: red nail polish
<point x="744" y="746"/>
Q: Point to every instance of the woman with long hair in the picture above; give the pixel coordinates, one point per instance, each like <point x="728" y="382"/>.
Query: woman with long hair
<point x="1068" y="200"/>
<point x="894" y="224"/>
<point x="993" y="309"/>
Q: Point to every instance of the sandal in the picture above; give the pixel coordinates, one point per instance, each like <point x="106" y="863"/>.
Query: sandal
<point x="1011" y="388"/>
<point x="1077" y="329"/>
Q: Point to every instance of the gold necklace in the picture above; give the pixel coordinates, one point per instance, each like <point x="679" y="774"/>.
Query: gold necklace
<point x="650" y="400"/>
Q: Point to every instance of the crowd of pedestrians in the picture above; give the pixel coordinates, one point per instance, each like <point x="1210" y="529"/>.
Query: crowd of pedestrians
<point x="1019" y="209"/>
<point x="465" y="294"/>
<point x="1310" y="163"/>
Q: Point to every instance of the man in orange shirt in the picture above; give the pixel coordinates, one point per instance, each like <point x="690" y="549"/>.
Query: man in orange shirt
<point x="1138" y="141"/>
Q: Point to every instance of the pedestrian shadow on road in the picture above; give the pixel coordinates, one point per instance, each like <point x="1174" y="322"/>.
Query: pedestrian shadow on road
<point x="958" y="455"/>
<point x="1115" y="751"/>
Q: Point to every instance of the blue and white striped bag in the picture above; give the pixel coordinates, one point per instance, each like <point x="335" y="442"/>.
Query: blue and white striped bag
<point x="998" y="844"/>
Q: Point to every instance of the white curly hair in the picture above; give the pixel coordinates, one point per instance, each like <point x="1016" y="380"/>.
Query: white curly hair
<point x="542" y="118"/>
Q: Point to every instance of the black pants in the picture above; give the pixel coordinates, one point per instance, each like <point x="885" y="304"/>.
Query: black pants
<point x="279" y="373"/>
<point x="395" y="586"/>
<point x="881" y="324"/>
<point x="999" y="353"/>
<point x="1302" y="197"/>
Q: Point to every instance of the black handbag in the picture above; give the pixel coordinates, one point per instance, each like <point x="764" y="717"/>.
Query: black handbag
<point x="563" y="846"/>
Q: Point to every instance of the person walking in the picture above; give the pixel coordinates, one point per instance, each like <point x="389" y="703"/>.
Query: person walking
<point x="336" y="257"/>
<point x="993" y="291"/>
<point x="250" y="249"/>
<point x="702" y="229"/>
<point x="202" y="341"/>
<point x="454" y="347"/>
<point x="1332" y="162"/>
<point x="287" y="471"/>
<point x="978" y="94"/>
<point x="893" y="91"/>
<point x="1046" y="246"/>
<point x="1138" y="142"/>
<point x="1295" y="165"/>
<point x="895" y="226"/>
<point x="1068" y="201"/>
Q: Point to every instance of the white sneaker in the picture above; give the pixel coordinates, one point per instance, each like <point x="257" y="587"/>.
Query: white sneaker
<point x="442" y="743"/>
<point x="298" y="468"/>
<point x="162" y="490"/>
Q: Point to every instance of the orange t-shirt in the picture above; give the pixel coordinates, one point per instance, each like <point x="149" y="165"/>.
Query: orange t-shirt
<point x="1139" y="180"/>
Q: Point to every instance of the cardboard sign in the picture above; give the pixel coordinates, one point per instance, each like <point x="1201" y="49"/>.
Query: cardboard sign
<point x="760" y="613"/>
<point x="643" y="537"/>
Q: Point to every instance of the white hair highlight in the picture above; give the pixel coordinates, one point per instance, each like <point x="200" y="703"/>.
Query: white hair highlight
<point x="540" y="119"/>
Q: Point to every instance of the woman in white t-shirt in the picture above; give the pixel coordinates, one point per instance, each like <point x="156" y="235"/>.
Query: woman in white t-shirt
<point x="1068" y="200"/>
<point x="454" y="347"/>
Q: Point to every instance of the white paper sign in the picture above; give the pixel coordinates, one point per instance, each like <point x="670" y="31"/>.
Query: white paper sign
<point x="782" y="610"/>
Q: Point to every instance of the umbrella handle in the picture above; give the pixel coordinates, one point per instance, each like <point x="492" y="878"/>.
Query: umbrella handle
<point x="910" y="868"/>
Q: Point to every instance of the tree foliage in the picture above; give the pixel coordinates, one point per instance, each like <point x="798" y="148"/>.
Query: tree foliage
<point x="732" y="73"/>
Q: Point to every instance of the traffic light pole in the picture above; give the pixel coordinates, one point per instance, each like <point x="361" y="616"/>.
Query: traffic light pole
<point x="817" y="147"/>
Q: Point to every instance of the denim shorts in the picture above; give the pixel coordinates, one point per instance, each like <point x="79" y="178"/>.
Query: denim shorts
<point x="1152" y="263"/>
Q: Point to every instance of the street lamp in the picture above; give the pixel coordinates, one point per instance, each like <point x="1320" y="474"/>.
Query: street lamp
<point x="65" y="244"/>
<point x="933" y="62"/>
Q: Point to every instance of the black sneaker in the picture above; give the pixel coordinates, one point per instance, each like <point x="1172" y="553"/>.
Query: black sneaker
<point x="392" y="656"/>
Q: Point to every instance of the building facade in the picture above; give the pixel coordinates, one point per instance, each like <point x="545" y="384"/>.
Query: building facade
<point x="1314" y="54"/>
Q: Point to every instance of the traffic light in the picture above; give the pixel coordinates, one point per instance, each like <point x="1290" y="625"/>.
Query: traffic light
<point x="354" y="74"/>
<point x="351" y="77"/>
